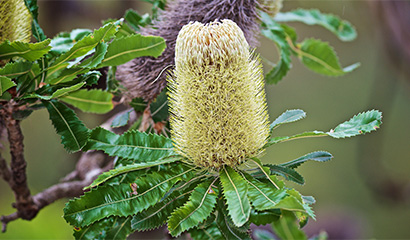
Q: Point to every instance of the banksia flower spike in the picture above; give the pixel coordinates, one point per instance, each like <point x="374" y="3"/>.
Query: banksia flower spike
<point x="142" y="76"/>
<point x="15" y="21"/>
<point x="216" y="96"/>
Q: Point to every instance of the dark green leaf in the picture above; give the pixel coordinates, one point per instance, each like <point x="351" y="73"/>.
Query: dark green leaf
<point x="15" y="69"/>
<point x="341" y="28"/>
<point x="319" y="156"/>
<point x="130" y="168"/>
<point x="287" y="173"/>
<point x="65" y="74"/>
<point x="288" y="117"/>
<point x="138" y="104"/>
<point x="235" y="190"/>
<point x="264" y="217"/>
<point x="262" y="234"/>
<point x="90" y="78"/>
<point x="22" y="114"/>
<point x="263" y="195"/>
<point x="94" y="100"/>
<point x="229" y="230"/>
<point x="134" y="19"/>
<point x="276" y="33"/>
<point x="5" y="84"/>
<point x="29" y="51"/>
<point x="158" y="214"/>
<point x="132" y="145"/>
<point x="92" y="62"/>
<point x="359" y="124"/>
<point x="122" y="50"/>
<point x="200" y="205"/>
<point x="287" y="227"/>
<point x="210" y="232"/>
<point x="58" y="93"/>
<point x="121" y="120"/>
<point x="159" y="107"/>
<point x="35" y="27"/>
<point x="319" y="57"/>
<point x="107" y="228"/>
<point x="74" y="134"/>
<point x="265" y="173"/>
<point x="124" y="199"/>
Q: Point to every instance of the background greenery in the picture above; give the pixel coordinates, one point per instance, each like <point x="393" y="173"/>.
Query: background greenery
<point x="345" y="202"/>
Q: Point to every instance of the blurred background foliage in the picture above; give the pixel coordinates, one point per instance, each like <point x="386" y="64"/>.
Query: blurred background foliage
<point x="364" y="192"/>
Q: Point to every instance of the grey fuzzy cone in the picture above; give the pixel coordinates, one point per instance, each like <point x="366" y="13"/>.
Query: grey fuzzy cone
<point x="144" y="77"/>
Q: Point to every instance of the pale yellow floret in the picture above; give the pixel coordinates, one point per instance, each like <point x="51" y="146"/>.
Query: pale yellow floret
<point x="15" y="21"/>
<point x="216" y="96"/>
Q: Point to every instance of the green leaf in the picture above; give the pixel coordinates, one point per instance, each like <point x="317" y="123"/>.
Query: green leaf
<point x="86" y="44"/>
<point x="92" y="62"/>
<point x="262" y="234"/>
<point x="235" y="190"/>
<point x="159" y="107"/>
<point x="200" y="205"/>
<point x="132" y="167"/>
<point x="287" y="173"/>
<point x="15" y="69"/>
<point x="74" y="134"/>
<point x="158" y="214"/>
<point x="121" y="120"/>
<point x="276" y="33"/>
<point x="138" y="104"/>
<point x="275" y="140"/>
<point x="341" y="28"/>
<point x="64" y="41"/>
<point x="359" y="124"/>
<point x="38" y="33"/>
<point x="227" y="227"/>
<point x="287" y="227"/>
<point x="107" y="228"/>
<point x="58" y="93"/>
<point x="132" y="145"/>
<point x="5" y="84"/>
<point x="288" y="117"/>
<point x="134" y="19"/>
<point x="319" y="156"/>
<point x="319" y="57"/>
<point x="210" y="232"/>
<point x="94" y="100"/>
<point x="265" y="172"/>
<point x="64" y="75"/>
<point x="29" y="51"/>
<point x="124" y="199"/>
<point x="122" y="50"/>
<point x="264" y="217"/>
<point x="90" y="78"/>
<point x="291" y="203"/>
<point x="263" y="195"/>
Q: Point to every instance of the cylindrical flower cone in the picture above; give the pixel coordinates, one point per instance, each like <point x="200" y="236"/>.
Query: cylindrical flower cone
<point x="216" y="96"/>
<point x="15" y="21"/>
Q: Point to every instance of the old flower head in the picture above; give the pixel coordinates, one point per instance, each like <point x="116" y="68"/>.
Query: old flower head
<point x="15" y="21"/>
<point x="217" y="98"/>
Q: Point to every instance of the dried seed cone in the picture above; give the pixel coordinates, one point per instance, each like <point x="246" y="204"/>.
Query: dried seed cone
<point x="15" y="21"/>
<point x="216" y="96"/>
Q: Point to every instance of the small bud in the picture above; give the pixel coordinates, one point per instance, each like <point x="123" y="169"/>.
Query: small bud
<point x="15" y="21"/>
<point x="216" y="96"/>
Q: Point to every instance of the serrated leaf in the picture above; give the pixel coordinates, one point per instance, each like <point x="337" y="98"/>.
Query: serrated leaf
<point x="64" y="41"/>
<point x="94" y="100"/>
<point x="262" y="195"/>
<point x="90" y="78"/>
<point x="227" y="227"/>
<point x="107" y="228"/>
<point x="291" y="203"/>
<point x="287" y="227"/>
<point x="133" y="144"/>
<point x="122" y="50"/>
<point x="264" y="217"/>
<point x="5" y="84"/>
<point x="341" y="28"/>
<point x="319" y="57"/>
<point x="210" y="232"/>
<point x="15" y="69"/>
<point x="319" y="156"/>
<point x="200" y="205"/>
<point x="276" y="33"/>
<point x="265" y="172"/>
<point x="121" y="120"/>
<point x="64" y="75"/>
<point x="38" y="33"/>
<point x="58" y="93"/>
<point x="92" y="62"/>
<point x="134" y="19"/>
<point x="74" y="134"/>
<point x="130" y="168"/>
<point x="158" y="214"/>
<point x="359" y="124"/>
<point x="235" y="190"/>
<point x="287" y="173"/>
<point x="86" y="44"/>
<point x="124" y="199"/>
<point x="287" y="117"/>
<point x="28" y="51"/>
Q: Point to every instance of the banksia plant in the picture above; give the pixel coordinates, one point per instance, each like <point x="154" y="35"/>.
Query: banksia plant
<point x="15" y="21"/>
<point x="217" y="97"/>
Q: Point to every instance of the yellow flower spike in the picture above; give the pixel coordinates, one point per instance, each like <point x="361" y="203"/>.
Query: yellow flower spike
<point x="15" y="21"/>
<point x="216" y="96"/>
